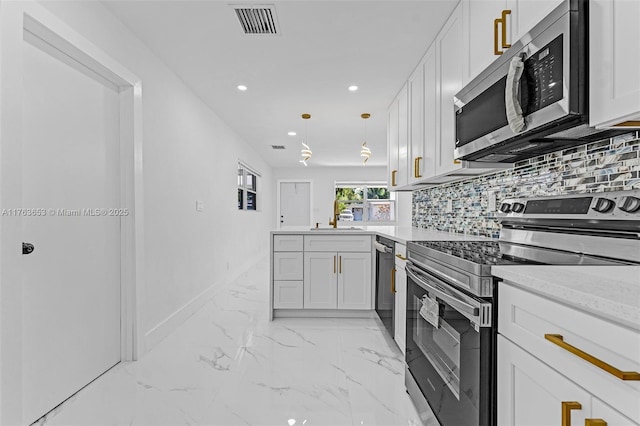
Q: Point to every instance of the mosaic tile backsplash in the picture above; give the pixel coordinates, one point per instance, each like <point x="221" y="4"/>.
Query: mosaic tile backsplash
<point x="609" y="165"/>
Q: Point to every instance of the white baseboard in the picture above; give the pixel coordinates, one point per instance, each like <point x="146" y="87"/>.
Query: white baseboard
<point x="173" y="321"/>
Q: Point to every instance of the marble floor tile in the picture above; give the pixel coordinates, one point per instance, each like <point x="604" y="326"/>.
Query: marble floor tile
<point x="229" y="365"/>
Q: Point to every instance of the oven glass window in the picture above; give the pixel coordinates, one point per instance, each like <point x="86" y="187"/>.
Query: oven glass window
<point x="441" y="345"/>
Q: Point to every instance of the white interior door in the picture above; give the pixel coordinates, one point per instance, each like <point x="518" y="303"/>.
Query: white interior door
<point x="295" y="204"/>
<point x="71" y="281"/>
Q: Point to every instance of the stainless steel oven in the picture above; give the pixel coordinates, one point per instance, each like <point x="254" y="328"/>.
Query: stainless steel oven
<point x="452" y="295"/>
<point x="450" y="349"/>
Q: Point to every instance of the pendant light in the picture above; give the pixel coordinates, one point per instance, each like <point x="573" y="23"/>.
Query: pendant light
<point x="305" y="152"/>
<point x="365" y="152"/>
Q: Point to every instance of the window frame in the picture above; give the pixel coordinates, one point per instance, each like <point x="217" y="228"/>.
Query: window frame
<point x="366" y="202"/>
<point x="244" y="188"/>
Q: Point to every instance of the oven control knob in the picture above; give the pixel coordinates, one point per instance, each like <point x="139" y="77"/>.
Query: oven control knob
<point x="505" y="207"/>
<point x="603" y="205"/>
<point x="629" y="204"/>
<point x="517" y="207"/>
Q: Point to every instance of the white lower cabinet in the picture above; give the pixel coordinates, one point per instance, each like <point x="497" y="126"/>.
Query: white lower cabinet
<point x="287" y="294"/>
<point x="320" y="280"/>
<point x="287" y="266"/>
<point x="552" y="357"/>
<point x="328" y="272"/>
<point x="400" y="308"/>
<point x="337" y="280"/>
<point x="532" y="393"/>
<point x="354" y="281"/>
<point x="600" y="410"/>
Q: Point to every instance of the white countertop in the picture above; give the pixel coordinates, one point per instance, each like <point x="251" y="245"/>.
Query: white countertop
<point x="400" y="234"/>
<point x="611" y="292"/>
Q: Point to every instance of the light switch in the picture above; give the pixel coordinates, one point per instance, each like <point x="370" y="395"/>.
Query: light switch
<point x="491" y="201"/>
<point x="199" y="206"/>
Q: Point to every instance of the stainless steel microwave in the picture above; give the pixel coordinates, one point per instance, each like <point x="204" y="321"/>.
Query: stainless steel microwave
<point x="534" y="98"/>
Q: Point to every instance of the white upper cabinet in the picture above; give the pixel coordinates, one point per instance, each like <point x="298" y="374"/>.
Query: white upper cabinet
<point x="450" y="60"/>
<point x="483" y="39"/>
<point x="392" y="144"/>
<point x="428" y="163"/>
<point x="614" y="63"/>
<point x="403" y="137"/>
<point x="525" y="14"/>
<point x="398" y="139"/>
<point x="491" y="26"/>
<point x="416" y="123"/>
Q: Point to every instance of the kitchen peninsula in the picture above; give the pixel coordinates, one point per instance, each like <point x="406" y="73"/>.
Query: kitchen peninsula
<point x="329" y="272"/>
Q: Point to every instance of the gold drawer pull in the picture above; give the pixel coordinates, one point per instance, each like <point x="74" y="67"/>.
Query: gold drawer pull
<point x="401" y="257"/>
<point x="496" y="50"/>
<point x="594" y="422"/>
<point x="334" y="264"/>
<point x="393" y="280"/>
<point x="416" y="168"/>
<point x="567" y="406"/>
<point x="557" y="339"/>
<point x="393" y="177"/>
<point x="504" y="28"/>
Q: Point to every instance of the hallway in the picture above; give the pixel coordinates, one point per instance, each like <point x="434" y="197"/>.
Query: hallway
<point x="228" y="365"/>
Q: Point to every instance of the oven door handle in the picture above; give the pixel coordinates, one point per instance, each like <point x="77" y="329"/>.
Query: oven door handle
<point x="439" y="273"/>
<point x="382" y="248"/>
<point x="455" y="302"/>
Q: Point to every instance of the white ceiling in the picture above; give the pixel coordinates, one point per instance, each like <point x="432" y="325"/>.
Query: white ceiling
<point x="324" y="47"/>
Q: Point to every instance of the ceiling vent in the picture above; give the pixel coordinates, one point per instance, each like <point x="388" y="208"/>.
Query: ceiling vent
<point x="277" y="146"/>
<point x="257" y="19"/>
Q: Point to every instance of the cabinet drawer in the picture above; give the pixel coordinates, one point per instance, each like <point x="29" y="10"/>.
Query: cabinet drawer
<point x="361" y="243"/>
<point x="287" y="266"/>
<point x="287" y="294"/>
<point x="287" y="243"/>
<point x="525" y="318"/>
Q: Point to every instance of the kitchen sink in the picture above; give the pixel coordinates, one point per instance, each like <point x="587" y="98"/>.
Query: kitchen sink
<point x="345" y="228"/>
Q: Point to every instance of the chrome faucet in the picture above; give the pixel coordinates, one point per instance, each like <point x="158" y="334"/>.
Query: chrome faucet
<point x="336" y="213"/>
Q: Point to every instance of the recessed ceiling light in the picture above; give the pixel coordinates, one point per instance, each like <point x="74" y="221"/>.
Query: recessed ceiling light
<point x="292" y="133"/>
<point x="353" y="88"/>
<point x="242" y="87"/>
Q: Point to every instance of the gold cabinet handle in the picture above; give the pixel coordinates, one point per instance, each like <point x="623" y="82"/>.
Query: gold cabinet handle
<point x="393" y="177"/>
<point x="416" y="167"/>
<point x="504" y="28"/>
<point x="334" y="264"/>
<point x="567" y="406"/>
<point x="393" y="280"/>
<point x="496" y="51"/>
<point x="401" y="257"/>
<point x="340" y="262"/>
<point x="557" y="339"/>
<point x="594" y="422"/>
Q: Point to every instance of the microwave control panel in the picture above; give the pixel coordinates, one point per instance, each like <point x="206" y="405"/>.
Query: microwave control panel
<point x="543" y="77"/>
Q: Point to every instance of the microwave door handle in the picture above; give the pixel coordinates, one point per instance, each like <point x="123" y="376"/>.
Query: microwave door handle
<point x="453" y="301"/>
<point x="511" y="95"/>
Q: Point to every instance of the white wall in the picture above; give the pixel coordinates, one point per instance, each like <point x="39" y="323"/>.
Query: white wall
<point x="189" y="154"/>
<point x="324" y="179"/>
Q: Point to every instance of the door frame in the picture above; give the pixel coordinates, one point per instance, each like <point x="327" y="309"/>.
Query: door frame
<point x="63" y="42"/>
<point x="280" y="181"/>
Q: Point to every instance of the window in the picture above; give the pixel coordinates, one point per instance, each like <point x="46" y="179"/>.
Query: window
<point x="365" y="202"/>
<point x="247" y="188"/>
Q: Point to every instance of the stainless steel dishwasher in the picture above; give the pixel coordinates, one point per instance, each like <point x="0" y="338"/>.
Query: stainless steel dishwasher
<point x="385" y="293"/>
